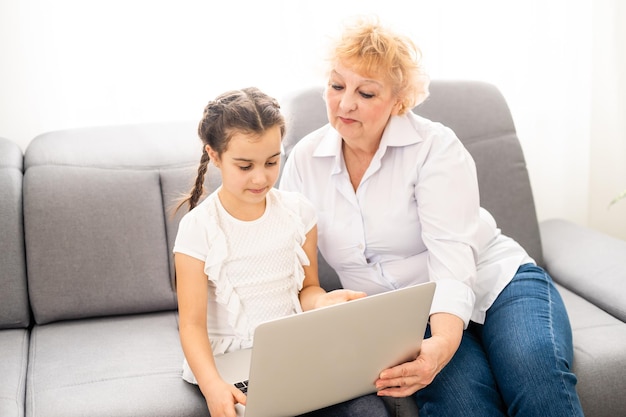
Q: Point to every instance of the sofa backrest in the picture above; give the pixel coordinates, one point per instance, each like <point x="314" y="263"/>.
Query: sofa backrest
<point x="14" y="309"/>
<point x="479" y="115"/>
<point x="99" y="227"/>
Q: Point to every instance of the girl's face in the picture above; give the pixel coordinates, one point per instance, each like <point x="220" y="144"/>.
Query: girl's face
<point x="250" y="167"/>
<point x="359" y="107"/>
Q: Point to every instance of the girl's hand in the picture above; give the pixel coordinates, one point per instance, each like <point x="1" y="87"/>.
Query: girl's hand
<point x="338" y="297"/>
<point x="221" y="398"/>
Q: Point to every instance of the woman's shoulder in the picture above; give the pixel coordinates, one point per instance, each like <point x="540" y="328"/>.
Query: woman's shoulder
<point x="310" y="142"/>
<point x="414" y="131"/>
<point x="429" y="128"/>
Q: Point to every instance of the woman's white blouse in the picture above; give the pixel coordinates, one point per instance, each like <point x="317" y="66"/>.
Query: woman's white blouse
<point x="415" y="216"/>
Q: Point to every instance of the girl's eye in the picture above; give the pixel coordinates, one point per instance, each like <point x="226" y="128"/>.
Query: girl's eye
<point x="246" y="168"/>
<point x="271" y="164"/>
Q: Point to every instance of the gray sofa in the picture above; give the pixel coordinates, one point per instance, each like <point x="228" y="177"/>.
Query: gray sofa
<point x="88" y="322"/>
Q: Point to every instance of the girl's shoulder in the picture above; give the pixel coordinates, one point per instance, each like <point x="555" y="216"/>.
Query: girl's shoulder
<point x="290" y="199"/>
<point x="295" y="203"/>
<point x="203" y="213"/>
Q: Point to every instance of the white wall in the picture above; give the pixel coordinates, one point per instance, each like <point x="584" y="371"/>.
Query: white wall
<point x="73" y="63"/>
<point x="608" y="118"/>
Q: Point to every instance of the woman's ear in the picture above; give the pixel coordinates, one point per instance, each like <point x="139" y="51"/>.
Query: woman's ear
<point x="398" y="107"/>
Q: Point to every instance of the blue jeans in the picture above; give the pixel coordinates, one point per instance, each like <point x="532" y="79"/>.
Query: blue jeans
<point x="517" y="364"/>
<point x="365" y="406"/>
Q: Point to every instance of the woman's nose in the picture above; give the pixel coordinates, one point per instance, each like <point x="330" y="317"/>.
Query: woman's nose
<point x="347" y="103"/>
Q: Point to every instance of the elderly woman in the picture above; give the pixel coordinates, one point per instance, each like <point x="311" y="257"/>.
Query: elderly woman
<point x="398" y="204"/>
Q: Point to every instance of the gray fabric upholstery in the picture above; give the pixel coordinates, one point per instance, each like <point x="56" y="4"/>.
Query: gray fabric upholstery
<point x="85" y="239"/>
<point x="599" y="356"/>
<point x="568" y="250"/>
<point x="175" y="184"/>
<point x="13" y="364"/>
<point x="593" y="268"/>
<point x="14" y="309"/>
<point x="98" y="210"/>
<point x="145" y="146"/>
<point x="14" y="305"/>
<point x="102" y="367"/>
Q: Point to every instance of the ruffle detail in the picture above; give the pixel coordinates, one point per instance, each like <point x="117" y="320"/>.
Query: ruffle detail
<point x="224" y="290"/>
<point x="300" y="257"/>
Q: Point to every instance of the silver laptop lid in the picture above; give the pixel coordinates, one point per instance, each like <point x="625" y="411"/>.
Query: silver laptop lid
<point x="322" y="357"/>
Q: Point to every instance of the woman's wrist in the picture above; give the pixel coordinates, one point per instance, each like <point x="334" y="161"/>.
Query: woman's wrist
<point x="447" y="328"/>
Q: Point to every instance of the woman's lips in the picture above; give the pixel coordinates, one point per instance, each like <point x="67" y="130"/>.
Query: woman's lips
<point x="347" y="121"/>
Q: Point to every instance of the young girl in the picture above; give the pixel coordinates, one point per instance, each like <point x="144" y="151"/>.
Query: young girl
<point x="248" y="252"/>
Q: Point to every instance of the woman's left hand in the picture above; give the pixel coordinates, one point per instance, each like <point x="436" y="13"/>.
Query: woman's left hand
<point x="436" y="351"/>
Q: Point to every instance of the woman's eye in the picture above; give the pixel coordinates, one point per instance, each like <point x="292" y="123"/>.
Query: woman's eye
<point x="336" y="87"/>
<point x="366" y="95"/>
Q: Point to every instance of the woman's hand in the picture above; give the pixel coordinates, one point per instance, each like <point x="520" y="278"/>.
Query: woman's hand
<point x="407" y="378"/>
<point x="221" y="398"/>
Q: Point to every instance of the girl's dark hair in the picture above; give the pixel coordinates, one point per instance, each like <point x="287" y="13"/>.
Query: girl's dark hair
<point x="248" y="111"/>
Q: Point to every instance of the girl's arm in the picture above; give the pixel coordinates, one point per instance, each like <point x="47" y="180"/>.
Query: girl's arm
<point x="192" y="291"/>
<point x="312" y="295"/>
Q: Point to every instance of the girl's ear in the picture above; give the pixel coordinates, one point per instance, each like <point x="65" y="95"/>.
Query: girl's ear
<point x="213" y="156"/>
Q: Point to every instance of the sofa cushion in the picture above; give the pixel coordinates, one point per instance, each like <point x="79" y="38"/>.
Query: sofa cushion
<point x="96" y="220"/>
<point x="14" y="309"/>
<point x="139" y="146"/>
<point x="13" y="360"/>
<point x="599" y="341"/>
<point x="587" y="262"/>
<point x="117" y="366"/>
<point x="96" y="242"/>
<point x="176" y="184"/>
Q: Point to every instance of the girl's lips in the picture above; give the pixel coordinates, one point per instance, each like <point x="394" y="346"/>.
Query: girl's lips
<point x="257" y="190"/>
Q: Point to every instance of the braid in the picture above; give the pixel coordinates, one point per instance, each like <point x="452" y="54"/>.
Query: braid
<point x="198" y="189"/>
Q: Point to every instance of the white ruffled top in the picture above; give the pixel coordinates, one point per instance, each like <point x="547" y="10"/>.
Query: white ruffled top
<point x="254" y="267"/>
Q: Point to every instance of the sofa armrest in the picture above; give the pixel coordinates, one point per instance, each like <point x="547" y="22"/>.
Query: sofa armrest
<point x="587" y="262"/>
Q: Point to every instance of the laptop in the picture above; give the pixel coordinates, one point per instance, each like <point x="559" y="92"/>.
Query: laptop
<point x="322" y="357"/>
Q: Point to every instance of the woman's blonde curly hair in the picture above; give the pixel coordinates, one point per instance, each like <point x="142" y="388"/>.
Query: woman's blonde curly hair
<point x="375" y="50"/>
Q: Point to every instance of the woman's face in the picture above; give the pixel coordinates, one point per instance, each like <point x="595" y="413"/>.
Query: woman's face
<point x="359" y="107"/>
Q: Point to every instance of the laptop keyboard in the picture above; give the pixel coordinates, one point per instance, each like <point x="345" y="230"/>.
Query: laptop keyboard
<point x="243" y="386"/>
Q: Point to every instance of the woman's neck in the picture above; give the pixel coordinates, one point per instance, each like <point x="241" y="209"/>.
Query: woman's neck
<point x="357" y="160"/>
